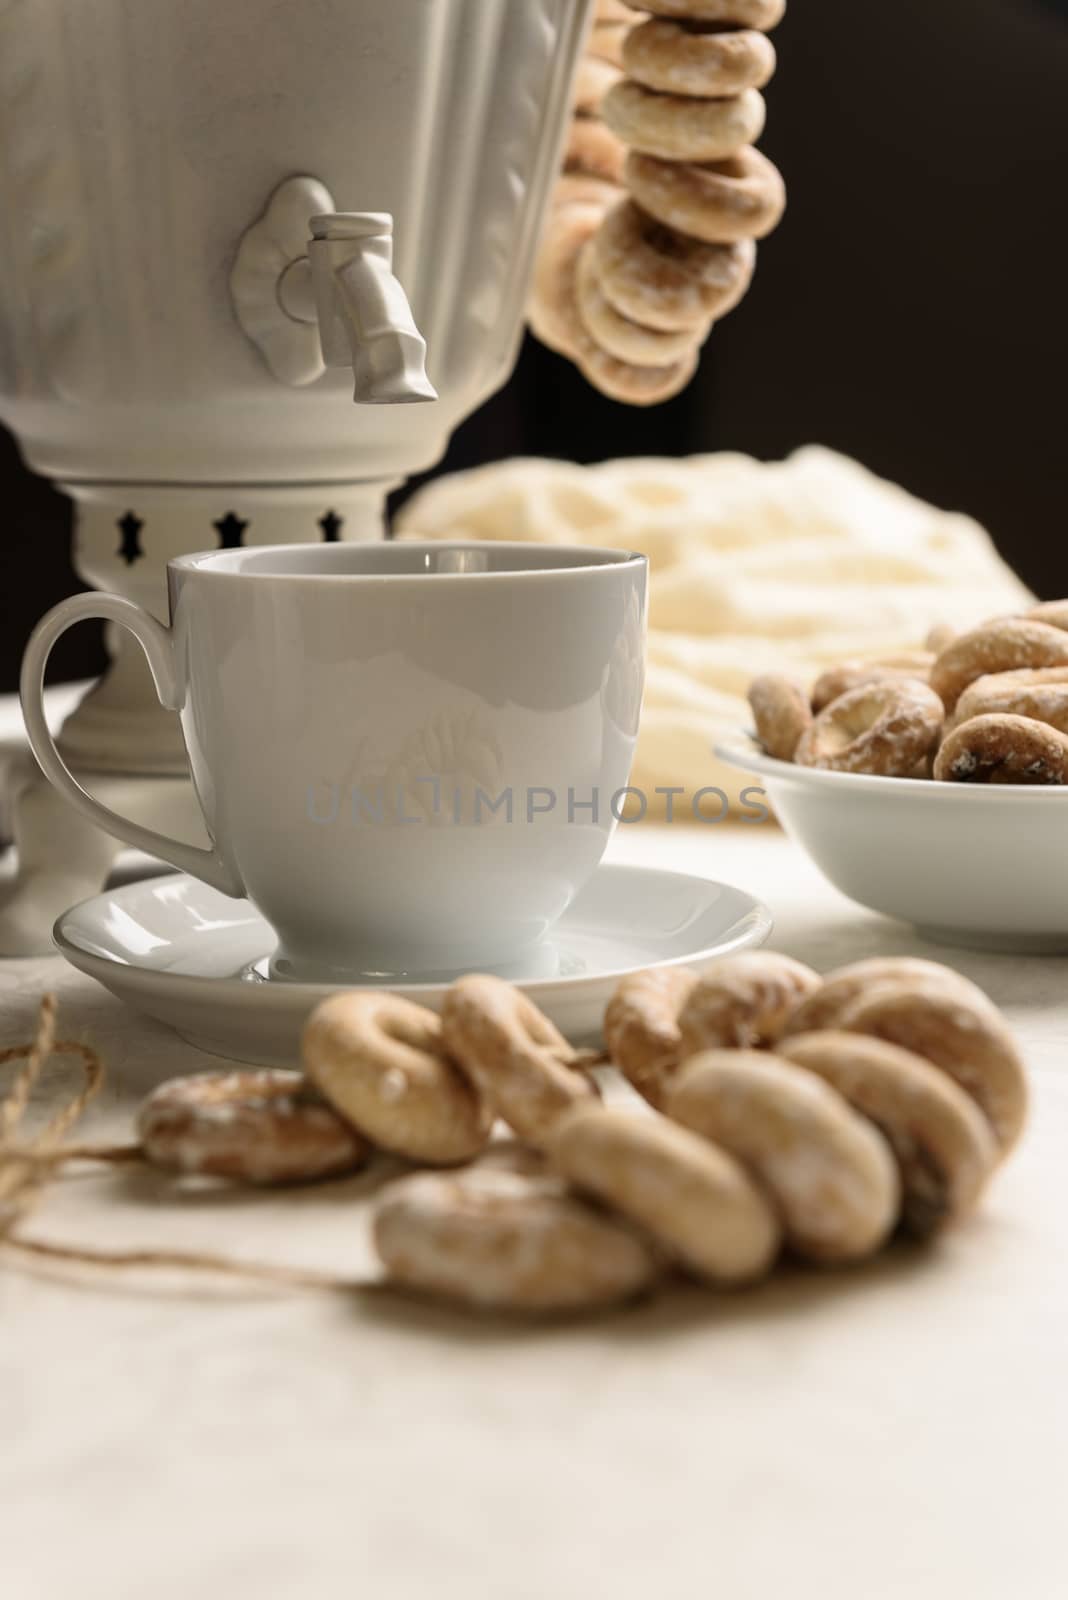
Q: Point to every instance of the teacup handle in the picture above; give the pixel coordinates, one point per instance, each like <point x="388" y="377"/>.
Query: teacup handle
<point x="158" y="644"/>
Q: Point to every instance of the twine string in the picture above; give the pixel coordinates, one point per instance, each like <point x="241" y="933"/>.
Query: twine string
<point x="14" y="1103"/>
<point x="27" y="1166"/>
<point x="191" y="1261"/>
<point x="23" y="1165"/>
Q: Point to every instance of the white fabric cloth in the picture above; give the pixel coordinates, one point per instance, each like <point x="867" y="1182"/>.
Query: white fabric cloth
<point x="898" y="1430"/>
<point x="755" y="567"/>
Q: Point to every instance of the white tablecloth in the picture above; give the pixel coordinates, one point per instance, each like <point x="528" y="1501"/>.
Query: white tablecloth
<point x="896" y="1431"/>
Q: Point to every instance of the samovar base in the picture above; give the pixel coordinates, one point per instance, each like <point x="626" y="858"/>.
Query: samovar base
<point x="58" y="858"/>
<point x="124" y="535"/>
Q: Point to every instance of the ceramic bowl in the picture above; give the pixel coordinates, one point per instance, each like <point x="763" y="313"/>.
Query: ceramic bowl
<point x="981" y="867"/>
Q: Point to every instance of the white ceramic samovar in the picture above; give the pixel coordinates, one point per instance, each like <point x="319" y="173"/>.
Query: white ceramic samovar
<point x="222" y="218"/>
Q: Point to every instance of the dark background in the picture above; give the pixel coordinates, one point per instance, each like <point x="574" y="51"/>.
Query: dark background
<point x="910" y="311"/>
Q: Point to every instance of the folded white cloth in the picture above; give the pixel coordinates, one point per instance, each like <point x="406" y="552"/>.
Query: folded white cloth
<point x="755" y="567"/>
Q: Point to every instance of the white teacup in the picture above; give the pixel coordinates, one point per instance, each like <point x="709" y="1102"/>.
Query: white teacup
<point x="409" y="756"/>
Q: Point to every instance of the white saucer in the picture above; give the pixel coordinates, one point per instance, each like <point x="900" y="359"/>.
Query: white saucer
<point x="189" y="956"/>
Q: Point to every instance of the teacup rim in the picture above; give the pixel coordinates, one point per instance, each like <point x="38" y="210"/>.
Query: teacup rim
<point x="598" y="559"/>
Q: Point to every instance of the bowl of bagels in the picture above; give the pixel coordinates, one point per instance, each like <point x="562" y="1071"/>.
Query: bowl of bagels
<point x="932" y="786"/>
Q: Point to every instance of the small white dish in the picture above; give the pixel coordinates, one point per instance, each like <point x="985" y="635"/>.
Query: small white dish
<point x="179" y="951"/>
<point x="984" y="867"/>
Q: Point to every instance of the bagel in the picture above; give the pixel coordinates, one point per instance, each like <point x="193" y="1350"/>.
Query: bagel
<point x="837" y="681"/>
<point x="661" y="278"/>
<point x="682" y="127"/>
<point x="781" y="713"/>
<point x="593" y="151"/>
<point x="517" y="1061"/>
<point x="553" y="310"/>
<point x="555" y="318"/>
<point x="885" y="729"/>
<point x="667" y="56"/>
<point x="608" y="41"/>
<point x="743" y="1001"/>
<point x="821" y="1008"/>
<point x="592" y="82"/>
<point x="504" y="1240"/>
<point x="762" y="14"/>
<point x="382" y="1063"/>
<point x="1001" y="646"/>
<point x="830" y="1173"/>
<point x="695" y="1201"/>
<point x="618" y="336"/>
<point x="1004" y="693"/>
<point x="998" y="748"/>
<point x="943" y="1145"/>
<point x="261" y="1126"/>
<point x="1053" y="612"/>
<point x="965" y="1037"/>
<point x="719" y="202"/>
<point x="641" y="1026"/>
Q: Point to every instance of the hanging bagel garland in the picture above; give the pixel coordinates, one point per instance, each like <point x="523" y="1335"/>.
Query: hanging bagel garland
<point x="652" y="229"/>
